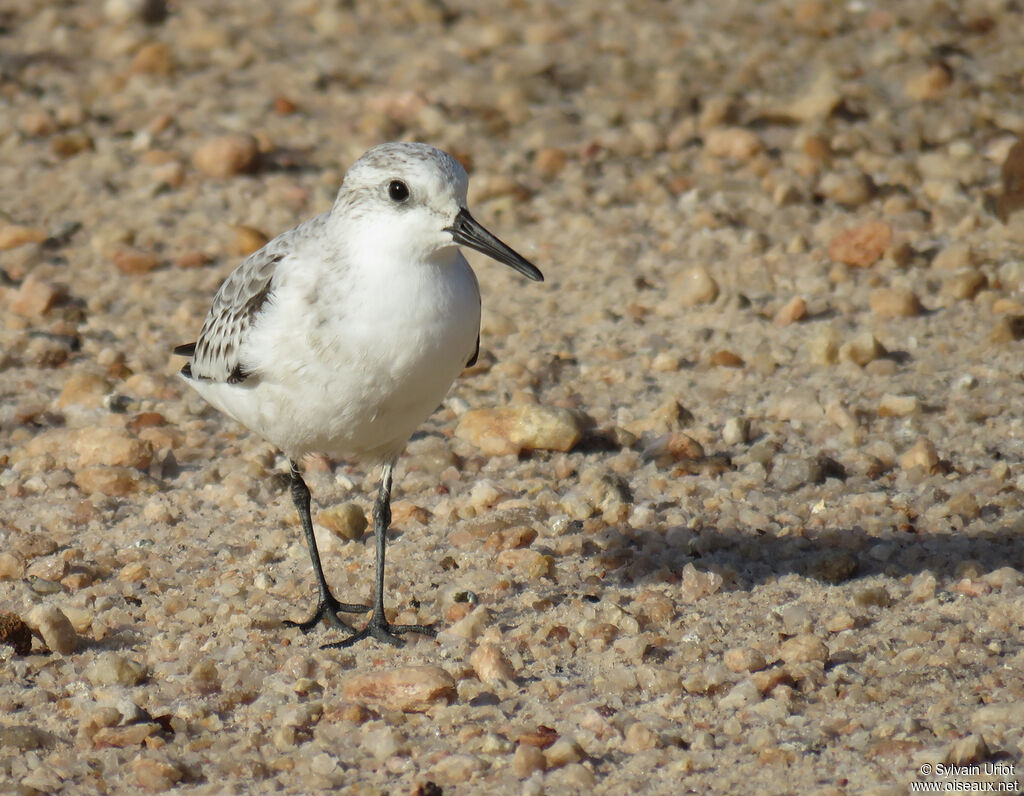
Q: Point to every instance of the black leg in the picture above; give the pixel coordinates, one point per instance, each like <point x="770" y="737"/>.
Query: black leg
<point x="378" y="626"/>
<point x="327" y="608"/>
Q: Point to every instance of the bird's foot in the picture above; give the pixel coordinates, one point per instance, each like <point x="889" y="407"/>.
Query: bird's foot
<point x="380" y="629"/>
<point x="327" y="610"/>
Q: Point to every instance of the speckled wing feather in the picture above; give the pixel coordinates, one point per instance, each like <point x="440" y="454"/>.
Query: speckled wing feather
<point x="239" y="301"/>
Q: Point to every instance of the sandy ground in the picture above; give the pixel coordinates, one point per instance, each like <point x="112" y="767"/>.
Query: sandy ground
<point x="783" y="306"/>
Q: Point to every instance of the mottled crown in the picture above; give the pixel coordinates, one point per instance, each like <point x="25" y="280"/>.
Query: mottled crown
<point x="420" y="163"/>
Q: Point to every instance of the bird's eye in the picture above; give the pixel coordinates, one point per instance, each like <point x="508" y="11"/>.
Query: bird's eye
<point x="398" y="191"/>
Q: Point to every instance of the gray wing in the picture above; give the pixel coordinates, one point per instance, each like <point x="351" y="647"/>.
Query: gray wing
<point x="238" y="303"/>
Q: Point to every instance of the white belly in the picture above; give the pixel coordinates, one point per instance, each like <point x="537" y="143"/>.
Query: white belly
<point x="353" y="374"/>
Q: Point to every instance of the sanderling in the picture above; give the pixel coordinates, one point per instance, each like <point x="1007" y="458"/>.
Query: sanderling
<point x="343" y="334"/>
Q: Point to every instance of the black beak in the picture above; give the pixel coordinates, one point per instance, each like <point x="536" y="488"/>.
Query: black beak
<point x="466" y="231"/>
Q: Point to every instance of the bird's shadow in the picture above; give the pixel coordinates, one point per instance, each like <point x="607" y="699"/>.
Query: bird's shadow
<point x="747" y="558"/>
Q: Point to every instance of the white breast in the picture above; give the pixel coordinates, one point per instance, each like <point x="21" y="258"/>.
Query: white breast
<point x="352" y="373"/>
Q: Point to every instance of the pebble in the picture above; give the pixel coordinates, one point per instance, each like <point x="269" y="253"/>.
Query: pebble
<point x="956" y="256"/>
<point x="87" y="390"/>
<point x="734" y="143"/>
<point x="640" y="738"/>
<point x="563" y="752"/>
<point x="510" y="430"/>
<point x="133" y="262"/>
<point x="35" y="297"/>
<point x="862" y="349"/>
<point x="111" y="447"/>
<point x="789" y="473"/>
<point x="695" y="286"/>
<point x="726" y="359"/>
<point x="1008" y="329"/>
<point x="965" y="751"/>
<point x="743" y="659"/>
<point x="930" y="84"/>
<point x="796" y="619"/>
<point x="12" y="565"/>
<point x="14" y="235"/>
<point x="804" y="648"/>
<point x="412" y="689"/>
<point x="155" y="58"/>
<point x="469" y="628"/>
<point x="895" y="302"/>
<point x="861" y="246"/>
<point x="736" y="431"/>
<point x="155" y="775"/>
<point x="226" y="155"/>
<point x="55" y="628"/>
<point x="113" y="668"/>
<point x="696" y="585"/>
<point x="15" y="633"/>
<point x="346" y="521"/>
<point x="921" y="455"/>
<point x="792" y="311"/>
<point x="491" y="666"/>
<point x="898" y="405"/>
<point x="850" y="189"/>
<point x="247" y="240"/>
<point x="965" y="286"/>
<point x="110" y="481"/>
<point x="740" y="695"/>
<point x="526" y="760"/>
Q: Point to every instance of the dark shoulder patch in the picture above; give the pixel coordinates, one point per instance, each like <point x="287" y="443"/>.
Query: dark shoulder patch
<point x="186" y="350"/>
<point x="238" y="375"/>
<point x="187" y="371"/>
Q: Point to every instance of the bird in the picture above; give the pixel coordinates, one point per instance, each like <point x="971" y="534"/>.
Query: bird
<point x="342" y="335"/>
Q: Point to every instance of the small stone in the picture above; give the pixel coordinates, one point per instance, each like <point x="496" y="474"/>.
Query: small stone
<point x="70" y="144"/>
<point x="695" y="286"/>
<point x="971" y="588"/>
<point x="923" y="455"/>
<point x="696" y="585"/>
<point x="805" y="648"/>
<point x="823" y="349"/>
<point x="850" y="189"/>
<point x="1008" y="329"/>
<point x="734" y="143"/>
<point x="549" y="161"/>
<point x="227" y="155"/>
<point x="964" y="504"/>
<point x="736" y="431"/>
<point x="113" y="668"/>
<point x="87" y="390"/>
<point x="205" y="677"/>
<point x="111" y="481"/>
<point x="965" y="751"/>
<point x="861" y="246"/>
<point x="740" y="695"/>
<point x="838" y="622"/>
<point x="55" y="628"/>
<point x="862" y="349"/>
<point x="816" y="102"/>
<point x="12" y="565"/>
<point x="743" y="659"/>
<point x="247" y="240"/>
<point x="122" y="737"/>
<point x="898" y="405"/>
<point x="35" y="297"/>
<point x="516" y="537"/>
<point x="469" y="628"/>
<point x="931" y="84"/>
<point x="923" y="587"/>
<point x="563" y="752"/>
<point x="155" y="58"/>
<point x="346" y="521"/>
<point x="155" y="775"/>
<point x="792" y="311"/>
<point x="965" y="286"/>
<point x="112" y="447"/>
<point x="542" y="737"/>
<point x="412" y="689"/>
<point x="134" y="263"/>
<point x="669" y="449"/>
<point x="955" y="257"/>
<point x="726" y="359"/>
<point x="51" y="568"/>
<point x="895" y="302"/>
<point x="15" y="633"/>
<point x="14" y="235"/>
<point x="530" y="563"/>
<point x="640" y="738"/>
<point x="1012" y="171"/>
<point x="513" y="429"/>
<point x="796" y="619"/>
<point x="789" y="473"/>
<point x="526" y="760"/>
<point x="491" y="666"/>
